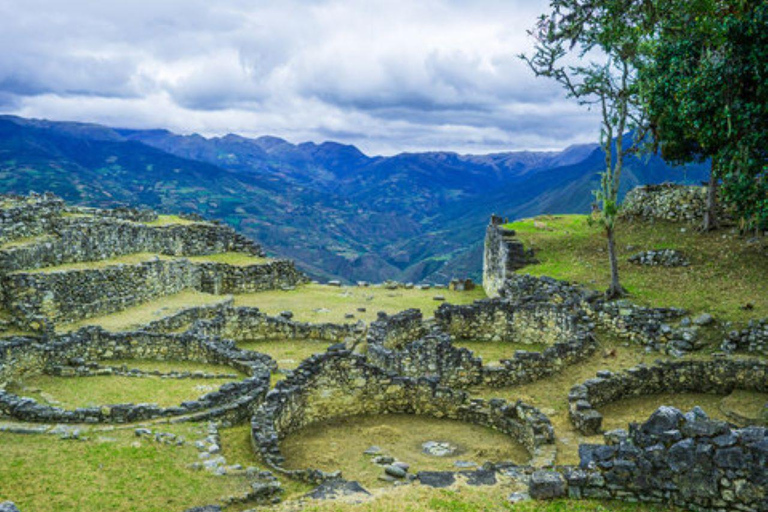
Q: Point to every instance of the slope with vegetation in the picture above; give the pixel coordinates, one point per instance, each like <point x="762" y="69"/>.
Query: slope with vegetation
<point x="340" y="214"/>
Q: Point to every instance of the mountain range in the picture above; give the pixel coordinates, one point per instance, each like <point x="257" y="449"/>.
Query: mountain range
<point x="339" y="213"/>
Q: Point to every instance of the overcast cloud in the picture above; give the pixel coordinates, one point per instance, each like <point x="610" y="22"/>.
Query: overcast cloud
<point x="388" y="76"/>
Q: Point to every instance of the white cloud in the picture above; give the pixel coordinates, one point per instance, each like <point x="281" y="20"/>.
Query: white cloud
<point x="387" y="76"/>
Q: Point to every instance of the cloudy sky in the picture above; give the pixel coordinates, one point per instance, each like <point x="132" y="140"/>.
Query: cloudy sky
<point x="388" y="76"/>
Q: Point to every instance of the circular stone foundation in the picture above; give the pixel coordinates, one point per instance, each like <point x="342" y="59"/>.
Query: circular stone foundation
<point x="362" y="446"/>
<point x="22" y="358"/>
<point x="716" y="377"/>
<point x="339" y="384"/>
<point x="528" y="342"/>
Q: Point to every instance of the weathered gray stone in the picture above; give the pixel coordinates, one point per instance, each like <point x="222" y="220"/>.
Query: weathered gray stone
<point x="546" y="485"/>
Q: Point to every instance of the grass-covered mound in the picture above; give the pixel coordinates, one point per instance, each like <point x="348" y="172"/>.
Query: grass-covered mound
<point x="727" y="276"/>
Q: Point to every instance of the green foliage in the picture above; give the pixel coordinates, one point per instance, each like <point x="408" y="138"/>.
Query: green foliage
<point x="704" y="84"/>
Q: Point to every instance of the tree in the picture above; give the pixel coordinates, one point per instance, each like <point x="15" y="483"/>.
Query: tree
<point x="704" y="84"/>
<point x="605" y="39"/>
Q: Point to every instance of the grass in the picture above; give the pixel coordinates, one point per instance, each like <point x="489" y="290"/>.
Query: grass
<point x="29" y="240"/>
<point x="73" y="392"/>
<point x="340" y="443"/>
<point x="170" y="220"/>
<point x="725" y="274"/>
<point x="239" y="259"/>
<point x="236" y="446"/>
<point x="128" y="259"/>
<point x="415" y="498"/>
<point x="321" y="303"/>
<point x="172" y="366"/>
<point x="112" y="471"/>
<point x="288" y="353"/>
<point x="551" y="395"/>
<point x="493" y="351"/>
<point x="147" y="312"/>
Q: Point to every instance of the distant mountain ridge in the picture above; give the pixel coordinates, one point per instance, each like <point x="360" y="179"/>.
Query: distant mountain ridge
<point x="338" y="212"/>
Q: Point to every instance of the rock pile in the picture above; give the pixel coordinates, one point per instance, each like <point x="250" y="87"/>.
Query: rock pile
<point x="660" y="258"/>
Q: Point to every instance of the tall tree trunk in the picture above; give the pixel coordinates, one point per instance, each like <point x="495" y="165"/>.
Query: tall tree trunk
<point x="615" y="290"/>
<point x="710" y="215"/>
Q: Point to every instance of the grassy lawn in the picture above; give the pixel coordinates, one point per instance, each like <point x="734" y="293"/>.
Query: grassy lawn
<point x="492" y="352"/>
<point x="470" y="499"/>
<point x="288" y="353"/>
<point x="321" y="303"/>
<point x="73" y="392"/>
<point x="170" y="220"/>
<point x="725" y="274"/>
<point x="239" y="259"/>
<point x="112" y="471"/>
<point x="340" y="443"/>
<point x="137" y="316"/>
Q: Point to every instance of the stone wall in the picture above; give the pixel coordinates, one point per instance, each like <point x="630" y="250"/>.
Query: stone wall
<point x="659" y="329"/>
<point x="434" y="355"/>
<point x="753" y="339"/>
<point x="395" y="331"/>
<point x="719" y="376"/>
<point x="79" y="239"/>
<point x="187" y="317"/>
<point x="503" y="254"/>
<point x="38" y="297"/>
<point x="22" y="217"/>
<point x="339" y="383"/>
<point x="686" y="460"/>
<point x="501" y="320"/>
<point x="668" y="202"/>
<point x="121" y="212"/>
<point x="74" y="295"/>
<point x="234" y="401"/>
<point x="221" y="278"/>
<point x="250" y="324"/>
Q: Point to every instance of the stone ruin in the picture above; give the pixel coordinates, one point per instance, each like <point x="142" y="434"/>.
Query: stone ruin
<point x="401" y="363"/>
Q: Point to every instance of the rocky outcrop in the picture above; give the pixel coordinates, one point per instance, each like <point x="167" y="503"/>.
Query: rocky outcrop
<point x="660" y="258"/>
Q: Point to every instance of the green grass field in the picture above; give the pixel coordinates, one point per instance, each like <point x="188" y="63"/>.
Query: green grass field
<point x="725" y="275"/>
<point x="318" y="303"/>
<point x="136" y="316"/>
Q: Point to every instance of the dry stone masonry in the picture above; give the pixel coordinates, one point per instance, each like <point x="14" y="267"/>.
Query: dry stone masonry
<point x="667" y="202"/>
<point x="72" y="353"/>
<point x="687" y="460"/>
<point x="339" y="383"/>
<point x="399" y="364"/>
<point x="39" y="234"/>
<point x="718" y="376"/>
<point x="504" y="254"/>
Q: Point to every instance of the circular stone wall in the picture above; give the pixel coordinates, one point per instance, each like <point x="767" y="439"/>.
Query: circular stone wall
<point x="403" y="344"/>
<point x="720" y="376"/>
<point x="338" y="384"/>
<point x="21" y="357"/>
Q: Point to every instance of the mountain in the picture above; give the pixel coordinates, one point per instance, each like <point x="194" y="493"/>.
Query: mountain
<point x="338" y="212"/>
